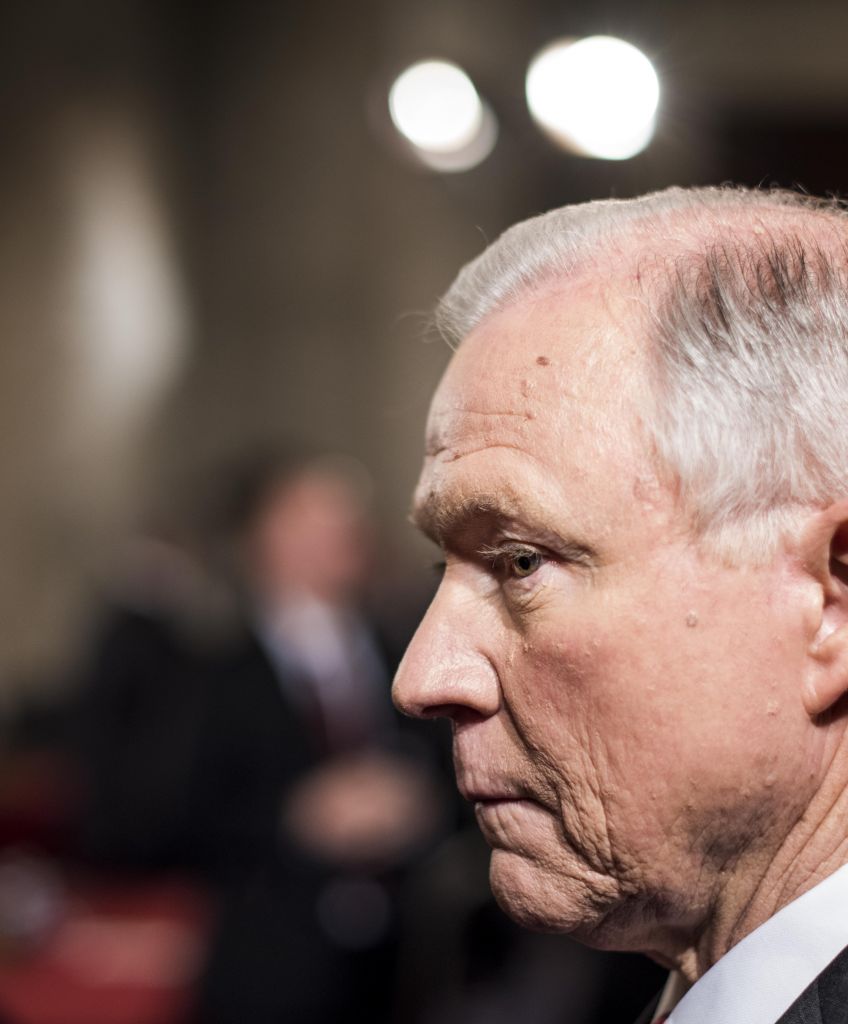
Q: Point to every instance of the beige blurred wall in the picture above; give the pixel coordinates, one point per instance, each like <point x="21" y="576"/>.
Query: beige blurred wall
<point x="94" y="321"/>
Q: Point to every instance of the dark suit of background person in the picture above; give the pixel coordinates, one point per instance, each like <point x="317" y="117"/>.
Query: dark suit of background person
<point x="282" y="947"/>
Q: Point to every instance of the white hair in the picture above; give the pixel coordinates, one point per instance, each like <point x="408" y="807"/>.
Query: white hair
<point x="745" y="296"/>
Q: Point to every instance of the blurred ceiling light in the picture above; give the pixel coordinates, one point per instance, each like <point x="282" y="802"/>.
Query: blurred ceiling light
<point x="596" y="96"/>
<point x="435" y="107"/>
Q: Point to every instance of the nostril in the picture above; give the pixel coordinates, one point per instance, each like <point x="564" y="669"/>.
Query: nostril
<point x="436" y="711"/>
<point x="459" y="714"/>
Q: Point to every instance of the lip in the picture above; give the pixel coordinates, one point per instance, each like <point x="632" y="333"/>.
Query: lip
<point x="500" y="801"/>
<point x="495" y="794"/>
<point x="479" y="786"/>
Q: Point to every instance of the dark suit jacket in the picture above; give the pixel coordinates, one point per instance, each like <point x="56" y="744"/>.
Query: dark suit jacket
<point x="824" y="1001"/>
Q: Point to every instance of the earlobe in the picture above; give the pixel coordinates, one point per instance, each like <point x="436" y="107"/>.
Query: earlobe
<point x="825" y="555"/>
<point x="828" y="680"/>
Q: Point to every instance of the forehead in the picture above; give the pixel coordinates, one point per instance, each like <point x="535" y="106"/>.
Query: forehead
<point x="543" y="397"/>
<point x="565" y="343"/>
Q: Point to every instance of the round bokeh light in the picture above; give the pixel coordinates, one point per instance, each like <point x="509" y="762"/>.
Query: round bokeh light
<point x="596" y="96"/>
<point x="435" y="106"/>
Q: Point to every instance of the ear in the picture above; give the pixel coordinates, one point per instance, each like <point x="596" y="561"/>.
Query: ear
<point x="824" y="552"/>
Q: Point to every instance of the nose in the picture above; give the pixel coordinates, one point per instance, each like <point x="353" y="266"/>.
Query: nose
<point x="444" y="673"/>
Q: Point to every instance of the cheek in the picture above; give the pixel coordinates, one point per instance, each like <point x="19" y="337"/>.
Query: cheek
<point x="555" y="694"/>
<point x="573" y="677"/>
<point x="674" y="690"/>
<point x="663" y="645"/>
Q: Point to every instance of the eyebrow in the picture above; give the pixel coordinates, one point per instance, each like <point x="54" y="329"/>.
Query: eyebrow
<point x="440" y="516"/>
<point x="443" y="517"/>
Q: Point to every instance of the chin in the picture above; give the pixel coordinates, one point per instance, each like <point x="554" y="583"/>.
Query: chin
<point x="541" y="899"/>
<point x="588" y="908"/>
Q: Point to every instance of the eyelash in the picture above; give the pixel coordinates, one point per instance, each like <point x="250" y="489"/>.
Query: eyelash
<point x="504" y="560"/>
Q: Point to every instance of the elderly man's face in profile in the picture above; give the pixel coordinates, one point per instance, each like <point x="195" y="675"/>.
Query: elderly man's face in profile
<point x="609" y="684"/>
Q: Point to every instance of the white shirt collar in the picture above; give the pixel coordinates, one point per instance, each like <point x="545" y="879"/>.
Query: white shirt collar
<point x="761" y="977"/>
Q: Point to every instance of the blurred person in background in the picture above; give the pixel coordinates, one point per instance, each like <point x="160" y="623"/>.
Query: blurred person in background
<point x="251" y="743"/>
<point x="301" y="759"/>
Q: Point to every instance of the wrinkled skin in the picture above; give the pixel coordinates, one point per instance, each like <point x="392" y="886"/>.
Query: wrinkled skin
<point x="626" y="711"/>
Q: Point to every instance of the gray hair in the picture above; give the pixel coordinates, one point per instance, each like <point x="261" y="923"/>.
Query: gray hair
<point x="745" y="295"/>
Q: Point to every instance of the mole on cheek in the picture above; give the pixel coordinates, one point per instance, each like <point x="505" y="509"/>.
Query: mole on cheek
<point x="542" y="361"/>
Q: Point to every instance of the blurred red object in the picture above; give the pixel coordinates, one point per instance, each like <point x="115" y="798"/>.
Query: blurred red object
<point x="122" y="952"/>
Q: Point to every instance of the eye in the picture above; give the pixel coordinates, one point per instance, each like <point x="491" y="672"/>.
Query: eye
<point x="522" y="562"/>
